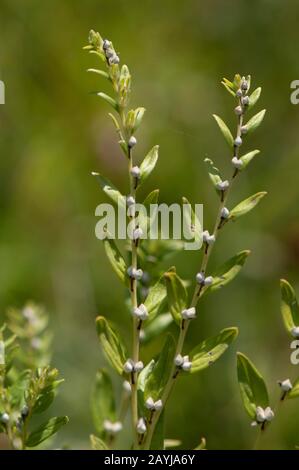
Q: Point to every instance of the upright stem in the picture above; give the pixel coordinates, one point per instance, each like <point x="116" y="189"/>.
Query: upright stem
<point x="196" y="295"/>
<point x="136" y="327"/>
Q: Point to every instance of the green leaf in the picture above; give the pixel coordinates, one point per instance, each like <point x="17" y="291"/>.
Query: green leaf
<point x="246" y="206"/>
<point x="97" y="443"/>
<point x="171" y="443"/>
<point x="151" y="198"/>
<point x="116" y="259"/>
<point x="102" y="401"/>
<point x="109" y="100"/>
<point x="111" y="190"/>
<point x="214" y="173"/>
<point x="157" y="442"/>
<point x="155" y="298"/>
<point x="225" y="130"/>
<point x="252" y="386"/>
<point x="159" y="376"/>
<point x="176" y="294"/>
<point x="228" y="271"/>
<point x="148" y="164"/>
<point x="255" y="121"/>
<point x="254" y="97"/>
<point x="46" y="430"/>
<point x="156" y="326"/>
<point x="44" y="401"/>
<point x="111" y="344"/>
<point x="99" y="72"/>
<point x="289" y="306"/>
<point x="202" y="445"/>
<point x="192" y="222"/>
<point x="248" y="157"/>
<point x="211" y="349"/>
<point x="141" y="381"/>
<point x="294" y="393"/>
<point x="230" y="87"/>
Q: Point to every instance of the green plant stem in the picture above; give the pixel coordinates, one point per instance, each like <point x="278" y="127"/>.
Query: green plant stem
<point x="196" y="296"/>
<point x="136" y="329"/>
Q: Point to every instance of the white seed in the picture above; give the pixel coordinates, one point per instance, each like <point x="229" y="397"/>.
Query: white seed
<point x="129" y="366"/>
<point x="222" y="185"/>
<point x="130" y="201"/>
<point x="224" y="213"/>
<point x="286" y="385"/>
<point x="238" y="141"/>
<point x="189" y="313"/>
<point x="106" y="44"/>
<point x="135" y="172"/>
<point x="260" y="414"/>
<point x="135" y="273"/>
<point x="239" y="93"/>
<point x="132" y="142"/>
<point x="138" y="366"/>
<point x="158" y="405"/>
<point x="137" y="233"/>
<point x="238" y="110"/>
<point x="295" y="331"/>
<point x="186" y="364"/>
<point x="200" y="278"/>
<point x="4" y="418"/>
<point x="141" y="312"/>
<point x="114" y="59"/>
<point x="245" y="100"/>
<point x="237" y="162"/>
<point x="112" y="428"/>
<point x="244" y="85"/>
<point x="127" y="386"/>
<point x="244" y="130"/>
<point x="269" y="414"/>
<point x="141" y="426"/>
<point x="254" y="424"/>
<point x="207" y="238"/>
<point x="209" y="280"/>
<point x="150" y="404"/>
<point x="178" y="360"/>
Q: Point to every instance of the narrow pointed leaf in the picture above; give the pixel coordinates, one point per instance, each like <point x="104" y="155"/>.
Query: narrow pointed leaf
<point x="46" y="430"/>
<point x="109" y="100"/>
<point x="214" y="173"/>
<point x="111" y="343"/>
<point x="154" y="328"/>
<point x="225" y="130"/>
<point x="192" y="222"/>
<point x="176" y="294"/>
<point x="99" y="72"/>
<point x="289" y="306"/>
<point x="202" y="445"/>
<point x="294" y="393"/>
<point x="211" y="349"/>
<point x="246" y="206"/>
<point x="148" y="164"/>
<point x="252" y="386"/>
<point x="97" y="443"/>
<point x="116" y="259"/>
<point x="254" y="97"/>
<point x="102" y="401"/>
<point x="255" y="121"/>
<point x="159" y="375"/>
<point x="111" y="190"/>
<point x="155" y="298"/>
<point x="248" y="157"/>
<point x="157" y="442"/>
<point x="228" y="271"/>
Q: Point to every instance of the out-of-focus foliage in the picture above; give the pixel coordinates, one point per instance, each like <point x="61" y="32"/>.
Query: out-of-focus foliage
<point x="53" y="134"/>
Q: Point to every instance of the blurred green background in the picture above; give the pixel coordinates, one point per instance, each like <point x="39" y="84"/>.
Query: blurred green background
<point x="53" y="133"/>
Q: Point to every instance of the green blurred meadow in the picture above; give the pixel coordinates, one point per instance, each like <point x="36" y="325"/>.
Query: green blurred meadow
<point x="53" y="133"/>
